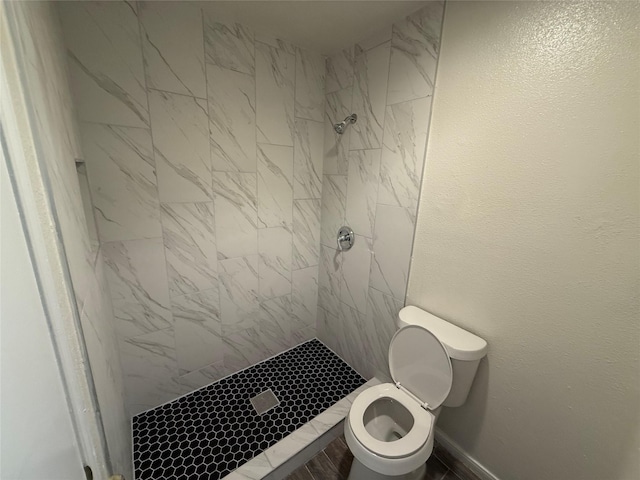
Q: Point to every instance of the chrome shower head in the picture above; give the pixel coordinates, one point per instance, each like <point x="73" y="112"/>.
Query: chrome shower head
<point x="342" y="126"/>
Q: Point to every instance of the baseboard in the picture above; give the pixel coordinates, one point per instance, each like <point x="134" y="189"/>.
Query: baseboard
<point x="463" y="457"/>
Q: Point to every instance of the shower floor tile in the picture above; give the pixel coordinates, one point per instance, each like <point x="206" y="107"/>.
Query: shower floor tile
<point x="210" y="432"/>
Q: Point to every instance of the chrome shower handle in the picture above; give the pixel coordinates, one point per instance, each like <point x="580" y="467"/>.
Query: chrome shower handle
<point x="346" y="237"/>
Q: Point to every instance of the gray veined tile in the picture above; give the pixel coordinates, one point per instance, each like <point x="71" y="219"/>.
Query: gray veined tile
<point x="122" y="180"/>
<point x="137" y="277"/>
<point x="105" y="62"/>
<point x="190" y="248"/>
<point x="232" y="119"/>
<point x="369" y="97"/>
<point x="334" y="194"/>
<point x="275" y="323"/>
<point x="336" y="146"/>
<point x="392" y="242"/>
<point x="275" y="79"/>
<point x="356" y="263"/>
<point x="229" y="45"/>
<point x="415" y="47"/>
<point x="150" y="368"/>
<point x="339" y="71"/>
<point x="276" y="42"/>
<point x="405" y="138"/>
<point x="198" y="330"/>
<point x="304" y="298"/>
<point x="181" y="143"/>
<point x="275" y="189"/>
<point x="274" y="246"/>
<point x="377" y="38"/>
<point x="328" y="329"/>
<point x="242" y="349"/>
<point x="308" y="159"/>
<point x="239" y="304"/>
<point x="306" y="232"/>
<point x="236" y="214"/>
<point x="362" y="190"/>
<point x="204" y="376"/>
<point x="172" y="47"/>
<point x="309" y="94"/>
<point x="356" y="345"/>
<point x="382" y="312"/>
<point x="330" y="279"/>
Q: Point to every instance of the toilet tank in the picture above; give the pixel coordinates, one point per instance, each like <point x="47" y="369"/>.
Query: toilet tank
<point x="464" y="348"/>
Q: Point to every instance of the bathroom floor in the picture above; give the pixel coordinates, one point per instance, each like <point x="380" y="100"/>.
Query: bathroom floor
<point x="210" y="432"/>
<point x="334" y="462"/>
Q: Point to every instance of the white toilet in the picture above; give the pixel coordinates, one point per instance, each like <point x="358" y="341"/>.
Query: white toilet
<point x="390" y="427"/>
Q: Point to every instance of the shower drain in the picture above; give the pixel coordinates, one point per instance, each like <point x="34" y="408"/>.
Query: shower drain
<point x="265" y="401"/>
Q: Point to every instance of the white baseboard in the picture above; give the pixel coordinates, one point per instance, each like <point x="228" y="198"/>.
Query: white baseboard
<point x="456" y="450"/>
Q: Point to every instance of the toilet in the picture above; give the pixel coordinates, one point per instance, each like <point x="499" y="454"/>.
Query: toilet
<point x="390" y="427"/>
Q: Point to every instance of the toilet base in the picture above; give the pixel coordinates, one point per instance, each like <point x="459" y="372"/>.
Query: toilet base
<point x="360" y="472"/>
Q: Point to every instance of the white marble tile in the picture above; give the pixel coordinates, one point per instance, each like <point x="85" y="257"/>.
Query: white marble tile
<point x="275" y="186"/>
<point x="232" y="119"/>
<point x="353" y="341"/>
<point x="356" y="263"/>
<point x="302" y="335"/>
<point x="190" y="248"/>
<point x="122" y="181"/>
<point x="275" y="80"/>
<point x="330" y="279"/>
<point x="306" y="232"/>
<point x="275" y="324"/>
<point x="275" y="247"/>
<point x="414" y="54"/>
<point x="326" y="324"/>
<point x="382" y="312"/>
<point x="276" y="42"/>
<point x="339" y="70"/>
<point x="377" y="38"/>
<point x="336" y="147"/>
<point x="405" y="138"/>
<point x="255" y="469"/>
<point x="290" y="445"/>
<point x="392" y="242"/>
<point x="239" y="304"/>
<point x="362" y="190"/>
<point x="87" y="207"/>
<point x="304" y="298"/>
<point x="204" y="376"/>
<point x="236" y="214"/>
<point x="172" y="47"/>
<point x="105" y="62"/>
<point x="181" y="144"/>
<point x="334" y="194"/>
<point x="228" y="45"/>
<point x="308" y="159"/>
<point x="369" y="97"/>
<point x="198" y="330"/>
<point x="150" y="368"/>
<point x="309" y="93"/>
<point x="324" y="421"/>
<point x="137" y="276"/>
<point x="242" y="349"/>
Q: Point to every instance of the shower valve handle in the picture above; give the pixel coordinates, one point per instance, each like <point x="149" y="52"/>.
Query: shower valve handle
<point x="346" y="237"/>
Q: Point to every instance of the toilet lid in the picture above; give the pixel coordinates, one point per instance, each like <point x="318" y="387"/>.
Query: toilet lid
<point x="420" y="363"/>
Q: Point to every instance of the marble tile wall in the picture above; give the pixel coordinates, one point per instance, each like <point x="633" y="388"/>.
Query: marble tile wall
<point x="371" y="180"/>
<point x="204" y="151"/>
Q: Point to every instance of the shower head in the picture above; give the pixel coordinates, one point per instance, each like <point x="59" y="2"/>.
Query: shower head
<point x="342" y="126"/>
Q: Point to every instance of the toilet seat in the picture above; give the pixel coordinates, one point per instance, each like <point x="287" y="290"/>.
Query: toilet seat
<point x="409" y="444"/>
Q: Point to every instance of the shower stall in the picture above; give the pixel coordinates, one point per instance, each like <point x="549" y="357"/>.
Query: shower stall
<point x="200" y="180"/>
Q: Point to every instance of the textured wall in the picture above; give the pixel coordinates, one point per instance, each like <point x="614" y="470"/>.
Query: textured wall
<point x="528" y="232"/>
<point x="47" y="88"/>
<point x="203" y="145"/>
<point x="371" y="182"/>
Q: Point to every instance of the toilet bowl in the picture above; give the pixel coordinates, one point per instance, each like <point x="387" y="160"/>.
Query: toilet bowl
<point x="390" y="427"/>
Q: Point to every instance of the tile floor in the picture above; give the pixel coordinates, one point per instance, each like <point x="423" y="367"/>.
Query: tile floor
<point x="334" y="462"/>
<point x="210" y="432"/>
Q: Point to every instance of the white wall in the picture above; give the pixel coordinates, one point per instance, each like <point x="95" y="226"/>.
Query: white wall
<point x="528" y="232"/>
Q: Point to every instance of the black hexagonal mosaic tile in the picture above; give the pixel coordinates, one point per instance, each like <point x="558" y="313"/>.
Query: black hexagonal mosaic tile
<point x="212" y="431"/>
